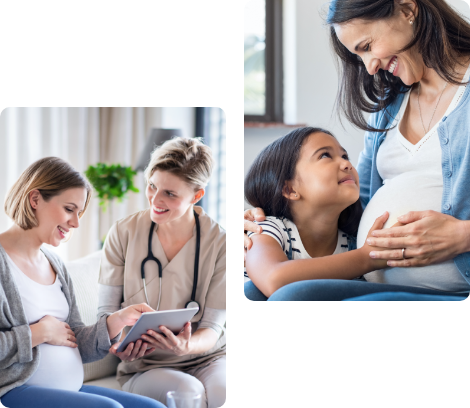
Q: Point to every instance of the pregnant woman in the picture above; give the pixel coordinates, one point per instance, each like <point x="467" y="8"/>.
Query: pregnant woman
<point x="407" y="63"/>
<point x="43" y="341"/>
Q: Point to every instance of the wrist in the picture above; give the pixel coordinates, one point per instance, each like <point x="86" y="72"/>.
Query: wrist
<point x="44" y="334"/>
<point x="115" y="324"/>
<point x="465" y="227"/>
<point x="38" y="334"/>
<point x="189" y="347"/>
<point x="365" y="257"/>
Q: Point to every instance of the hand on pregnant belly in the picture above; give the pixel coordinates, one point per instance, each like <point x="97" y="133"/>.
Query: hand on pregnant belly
<point x="57" y="333"/>
<point x="429" y="237"/>
<point x="367" y="248"/>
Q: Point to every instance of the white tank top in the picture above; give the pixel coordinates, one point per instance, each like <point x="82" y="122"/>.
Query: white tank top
<point x="59" y="367"/>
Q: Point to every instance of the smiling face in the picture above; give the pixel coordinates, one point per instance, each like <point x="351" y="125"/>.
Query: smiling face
<point x="169" y="197"/>
<point x="324" y="175"/>
<point x="59" y="215"/>
<point x="378" y="44"/>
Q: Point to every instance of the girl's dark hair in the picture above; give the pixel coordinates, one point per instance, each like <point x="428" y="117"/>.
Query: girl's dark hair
<point x="274" y="166"/>
<point x="441" y="35"/>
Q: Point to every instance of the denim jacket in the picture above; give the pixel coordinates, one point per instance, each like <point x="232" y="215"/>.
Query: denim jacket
<point x="454" y="138"/>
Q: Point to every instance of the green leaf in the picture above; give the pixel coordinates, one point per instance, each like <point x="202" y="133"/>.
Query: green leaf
<point x="111" y="181"/>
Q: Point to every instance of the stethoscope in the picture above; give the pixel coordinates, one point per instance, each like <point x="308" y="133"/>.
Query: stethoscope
<point x="150" y="257"/>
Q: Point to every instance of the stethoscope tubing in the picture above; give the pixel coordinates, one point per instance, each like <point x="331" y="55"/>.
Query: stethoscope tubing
<point x="150" y="257"/>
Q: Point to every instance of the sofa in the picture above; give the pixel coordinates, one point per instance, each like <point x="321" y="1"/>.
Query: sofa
<point x="84" y="273"/>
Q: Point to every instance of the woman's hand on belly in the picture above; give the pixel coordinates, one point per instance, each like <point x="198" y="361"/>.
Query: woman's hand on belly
<point x="374" y="264"/>
<point x="55" y="332"/>
<point x="429" y="237"/>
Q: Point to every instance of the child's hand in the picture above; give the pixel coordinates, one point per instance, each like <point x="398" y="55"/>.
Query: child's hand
<point x="367" y="249"/>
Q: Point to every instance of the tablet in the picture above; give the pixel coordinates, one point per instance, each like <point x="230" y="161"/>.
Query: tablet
<point x="174" y="320"/>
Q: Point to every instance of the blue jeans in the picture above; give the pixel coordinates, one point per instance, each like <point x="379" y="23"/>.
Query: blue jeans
<point x="336" y="289"/>
<point x="253" y="293"/>
<point x="88" y="396"/>
<point x="400" y="296"/>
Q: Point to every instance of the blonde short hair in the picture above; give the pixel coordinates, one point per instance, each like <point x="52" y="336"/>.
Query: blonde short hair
<point x="189" y="159"/>
<point x="51" y="176"/>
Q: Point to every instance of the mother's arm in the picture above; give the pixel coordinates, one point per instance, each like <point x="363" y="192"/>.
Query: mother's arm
<point x="429" y="237"/>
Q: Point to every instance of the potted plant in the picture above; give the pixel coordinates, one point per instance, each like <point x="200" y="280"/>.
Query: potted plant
<point x="111" y="181"/>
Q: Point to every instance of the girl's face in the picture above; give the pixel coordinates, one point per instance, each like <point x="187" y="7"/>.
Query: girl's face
<point x="324" y="175"/>
<point x="378" y="43"/>
<point x="59" y="215"/>
<point x="169" y="196"/>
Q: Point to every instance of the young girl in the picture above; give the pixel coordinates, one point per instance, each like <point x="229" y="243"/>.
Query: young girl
<point x="309" y="191"/>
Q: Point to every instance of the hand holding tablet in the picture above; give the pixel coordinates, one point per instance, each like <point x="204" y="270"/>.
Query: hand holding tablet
<point x="174" y="320"/>
<point x="177" y="344"/>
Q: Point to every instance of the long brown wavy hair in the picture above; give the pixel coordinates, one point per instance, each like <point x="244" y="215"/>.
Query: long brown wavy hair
<point x="441" y="36"/>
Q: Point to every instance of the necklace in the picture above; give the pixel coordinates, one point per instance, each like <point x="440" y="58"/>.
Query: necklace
<point x="419" y="107"/>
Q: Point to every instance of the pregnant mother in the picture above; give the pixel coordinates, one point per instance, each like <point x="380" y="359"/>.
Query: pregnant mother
<point x="407" y="63"/>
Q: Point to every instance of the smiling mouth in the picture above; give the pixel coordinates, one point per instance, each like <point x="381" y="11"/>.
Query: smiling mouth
<point x="160" y="210"/>
<point x="62" y="232"/>
<point x="393" y="65"/>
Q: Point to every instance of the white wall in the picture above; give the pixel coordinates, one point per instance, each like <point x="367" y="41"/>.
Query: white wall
<point x="461" y="6"/>
<point x="179" y="118"/>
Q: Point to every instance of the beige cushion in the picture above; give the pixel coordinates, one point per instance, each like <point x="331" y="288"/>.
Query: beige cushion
<point x="84" y="273"/>
<point x="107" y="382"/>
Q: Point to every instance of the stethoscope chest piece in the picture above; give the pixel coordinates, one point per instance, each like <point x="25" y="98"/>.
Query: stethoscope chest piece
<point x="191" y="304"/>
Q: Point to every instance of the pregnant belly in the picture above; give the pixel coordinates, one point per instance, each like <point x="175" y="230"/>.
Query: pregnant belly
<point x="399" y="196"/>
<point x="60" y="367"/>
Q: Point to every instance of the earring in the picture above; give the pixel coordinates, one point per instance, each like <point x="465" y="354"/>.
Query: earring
<point x="296" y="195"/>
<point x="411" y="21"/>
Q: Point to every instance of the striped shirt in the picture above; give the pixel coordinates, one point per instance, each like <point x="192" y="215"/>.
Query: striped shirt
<point x="278" y="229"/>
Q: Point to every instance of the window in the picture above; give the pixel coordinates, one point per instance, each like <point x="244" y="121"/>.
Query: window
<point x="263" y="61"/>
<point x="210" y="125"/>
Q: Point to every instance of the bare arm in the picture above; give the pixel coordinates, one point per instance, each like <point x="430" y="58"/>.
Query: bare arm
<point x="202" y="340"/>
<point x="269" y="268"/>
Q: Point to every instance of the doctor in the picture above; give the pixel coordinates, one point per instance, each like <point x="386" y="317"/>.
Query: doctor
<point x="171" y="256"/>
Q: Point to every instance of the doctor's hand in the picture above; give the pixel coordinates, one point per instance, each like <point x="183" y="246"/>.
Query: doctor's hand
<point x="179" y="345"/>
<point x="132" y="351"/>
